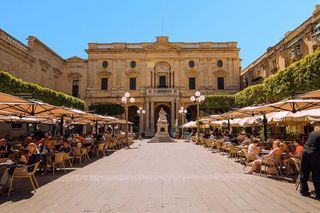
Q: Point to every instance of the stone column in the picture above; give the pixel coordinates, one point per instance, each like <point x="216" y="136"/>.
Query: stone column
<point x="152" y="118"/>
<point x="172" y="115"/>
<point x="147" y="117"/>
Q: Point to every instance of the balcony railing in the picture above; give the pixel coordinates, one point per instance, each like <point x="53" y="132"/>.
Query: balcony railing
<point x="162" y="92"/>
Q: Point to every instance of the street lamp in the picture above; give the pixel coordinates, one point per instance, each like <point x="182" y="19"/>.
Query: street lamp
<point x="126" y="99"/>
<point x="140" y="111"/>
<point x="197" y="98"/>
<point x="183" y="113"/>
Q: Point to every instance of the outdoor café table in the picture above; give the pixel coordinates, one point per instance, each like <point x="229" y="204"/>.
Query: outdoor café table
<point x="241" y="147"/>
<point x="265" y="152"/>
<point x="4" y="163"/>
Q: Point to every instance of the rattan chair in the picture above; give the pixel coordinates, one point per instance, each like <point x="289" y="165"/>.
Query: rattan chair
<point x="24" y="173"/>
<point x="59" y="159"/>
<point x="297" y="163"/>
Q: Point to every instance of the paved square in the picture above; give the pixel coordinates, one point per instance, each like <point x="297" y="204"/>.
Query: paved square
<point x="164" y="177"/>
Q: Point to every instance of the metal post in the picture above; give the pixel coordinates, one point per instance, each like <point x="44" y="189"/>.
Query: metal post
<point x="97" y="127"/>
<point x="265" y="128"/>
<point x="182" y="135"/>
<point x="127" y="135"/>
<point x="61" y="126"/>
<point x="198" y="126"/>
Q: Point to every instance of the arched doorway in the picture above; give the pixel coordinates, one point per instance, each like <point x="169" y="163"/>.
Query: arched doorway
<point x="191" y="113"/>
<point x="156" y="115"/>
<point x="134" y="117"/>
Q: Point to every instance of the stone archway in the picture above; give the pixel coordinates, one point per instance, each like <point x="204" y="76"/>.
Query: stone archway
<point x="191" y="113"/>
<point x="156" y="115"/>
<point x="134" y="117"/>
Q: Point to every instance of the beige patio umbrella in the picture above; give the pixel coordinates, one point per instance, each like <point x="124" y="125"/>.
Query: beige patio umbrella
<point x="313" y="95"/>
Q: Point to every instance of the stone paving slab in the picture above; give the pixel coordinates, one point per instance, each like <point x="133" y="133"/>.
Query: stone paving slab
<point x="164" y="177"/>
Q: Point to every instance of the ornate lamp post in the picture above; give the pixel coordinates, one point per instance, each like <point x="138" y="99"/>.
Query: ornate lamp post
<point x="126" y="99"/>
<point x="197" y="98"/>
<point x="183" y="113"/>
<point x="140" y="111"/>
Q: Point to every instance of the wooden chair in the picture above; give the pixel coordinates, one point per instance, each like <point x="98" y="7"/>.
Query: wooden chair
<point x="247" y="157"/>
<point x="275" y="162"/>
<point x="101" y="149"/>
<point x="77" y="154"/>
<point x="59" y="159"/>
<point x="233" y="152"/>
<point x="297" y="163"/>
<point x="85" y="152"/>
<point x="24" y="173"/>
<point x="67" y="157"/>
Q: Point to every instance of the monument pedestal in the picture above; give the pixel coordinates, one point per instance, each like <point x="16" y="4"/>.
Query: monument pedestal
<point x="162" y="134"/>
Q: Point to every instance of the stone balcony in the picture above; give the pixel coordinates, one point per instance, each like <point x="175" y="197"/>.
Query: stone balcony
<point x="162" y="92"/>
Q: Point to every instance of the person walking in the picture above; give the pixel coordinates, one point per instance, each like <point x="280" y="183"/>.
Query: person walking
<point x="310" y="162"/>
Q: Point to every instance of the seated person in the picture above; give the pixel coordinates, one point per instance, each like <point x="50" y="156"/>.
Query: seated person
<point x="44" y="148"/>
<point x="253" y="149"/>
<point x="276" y="151"/>
<point x="88" y="140"/>
<point x="33" y="157"/>
<point x="5" y="148"/>
<point x="65" y="147"/>
<point x="247" y="140"/>
<point x="226" y="137"/>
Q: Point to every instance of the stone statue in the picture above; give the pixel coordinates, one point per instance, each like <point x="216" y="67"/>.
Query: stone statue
<point x="162" y="116"/>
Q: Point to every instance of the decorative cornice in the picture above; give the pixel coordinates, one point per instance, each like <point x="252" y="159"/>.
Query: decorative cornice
<point x="44" y="65"/>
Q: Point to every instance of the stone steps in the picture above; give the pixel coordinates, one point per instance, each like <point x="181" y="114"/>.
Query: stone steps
<point x="161" y="139"/>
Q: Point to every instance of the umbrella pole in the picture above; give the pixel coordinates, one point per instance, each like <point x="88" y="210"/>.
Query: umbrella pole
<point x="61" y="126"/>
<point x="265" y="128"/>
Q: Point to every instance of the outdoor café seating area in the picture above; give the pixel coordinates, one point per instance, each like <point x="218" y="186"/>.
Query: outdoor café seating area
<point x="250" y="135"/>
<point x="65" y="139"/>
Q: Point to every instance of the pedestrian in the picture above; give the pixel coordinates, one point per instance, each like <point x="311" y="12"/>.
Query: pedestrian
<point x="310" y="162"/>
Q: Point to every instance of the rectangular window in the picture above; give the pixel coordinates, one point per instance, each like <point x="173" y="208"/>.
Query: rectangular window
<point x="104" y="83"/>
<point x="220" y="81"/>
<point x="133" y="83"/>
<point x="192" y="83"/>
<point x="162" y="81"/>
<point x="16" y="125"/>
<point x="75" y="88"/>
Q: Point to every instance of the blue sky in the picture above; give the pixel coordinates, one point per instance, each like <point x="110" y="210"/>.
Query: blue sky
<point x="67" y="26"/>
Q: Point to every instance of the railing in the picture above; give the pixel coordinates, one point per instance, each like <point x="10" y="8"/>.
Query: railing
<point x="5" y="36"/>
<point x="162" y="92"/>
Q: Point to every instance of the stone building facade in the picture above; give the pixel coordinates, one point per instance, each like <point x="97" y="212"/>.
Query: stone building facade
<point x="160" y="74"/>
<point x="296" y="44"/>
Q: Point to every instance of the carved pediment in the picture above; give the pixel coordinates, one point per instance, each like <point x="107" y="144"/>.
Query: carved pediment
<point x="44" y="64"/>
<point x="132" y="73"/>
<point x="57" y="71"/>
<point x="162" y="66"/>
<point x="74" y="76"/>
<point x="162" y="46"/>
<point x="105" y="73"/>
<point x="75" y="59"/>
<point x="220" y="73"/>
<point x="192" y="72"/>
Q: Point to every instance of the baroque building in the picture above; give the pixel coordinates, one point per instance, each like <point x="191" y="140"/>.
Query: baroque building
<point x="295" y="45"/>
<point x="160" y="74"/>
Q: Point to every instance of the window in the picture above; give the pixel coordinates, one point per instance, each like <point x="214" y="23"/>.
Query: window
<point x="133" y="84"/>
<point x="75" y="88"/>
<point x="133" y="64"/>
<point x="104" y="83"/>
<point x="192" y="83"/>
<point x="191" y="64"/>
<point x="219" y="63"/>
<point x="162" y="81"/>
<point x="105" y="64"/>
<point x="16" y="125"/>
<point x="220" y="81"/>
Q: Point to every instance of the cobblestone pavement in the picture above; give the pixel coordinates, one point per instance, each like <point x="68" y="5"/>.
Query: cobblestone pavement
<point x="163" y="177"/>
